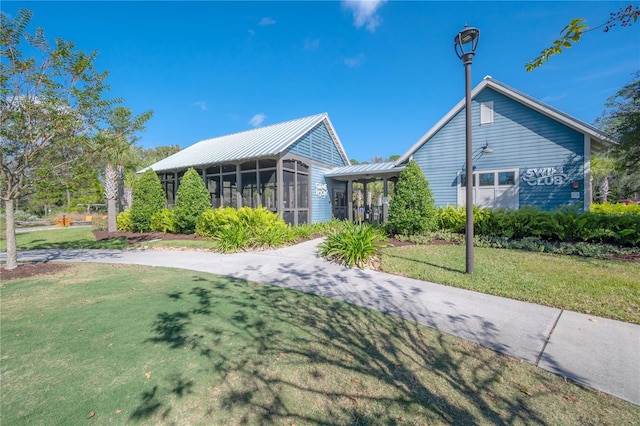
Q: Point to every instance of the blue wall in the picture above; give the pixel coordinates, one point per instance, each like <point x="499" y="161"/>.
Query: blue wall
<point x="318" y="145"/>
<point x="320" y="206"/>
<point x="521" y="138"/>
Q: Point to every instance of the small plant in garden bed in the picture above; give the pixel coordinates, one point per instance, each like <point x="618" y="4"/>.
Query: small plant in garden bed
<point x="234" y="230"/>
<point x="353" y="244"/>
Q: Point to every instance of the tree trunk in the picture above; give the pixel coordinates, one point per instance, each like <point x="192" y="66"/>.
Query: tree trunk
<point x="120" y="188"/>
<point x="12" y="252"/>
<point x="111" y="193"/>
<point x="111" y="213"/>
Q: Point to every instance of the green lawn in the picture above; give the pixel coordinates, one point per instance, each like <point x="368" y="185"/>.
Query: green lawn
<point x="597" y="287"/>
<point x="140" y="345"/>
<point x="605" y="288"/>
<point x="63" y="238"/>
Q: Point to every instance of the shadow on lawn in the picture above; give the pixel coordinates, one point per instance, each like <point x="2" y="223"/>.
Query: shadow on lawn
<point x="288" y="348"/>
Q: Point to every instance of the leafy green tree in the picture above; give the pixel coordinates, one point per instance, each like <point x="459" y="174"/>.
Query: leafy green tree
<point x="48" y="103"/>
<point x="412" y="210"/>
<point x="148" y="198"/>
<point x="602" y="168"/>
<point x="192" y="199"/>
<point x="622" y="120"/>
<point x="149" y="156"/>
<point x="572" y="33"/>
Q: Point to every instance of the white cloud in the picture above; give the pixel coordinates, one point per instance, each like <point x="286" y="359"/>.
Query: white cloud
<point x="267" y="21"/>
<point x="257" y="120"/>
<point x="354" y="61"/>
<point x="364" y="12"/>
<point x="311" y="44"/>
<point x="201" y="104"/>
<point x="550" y="98"/>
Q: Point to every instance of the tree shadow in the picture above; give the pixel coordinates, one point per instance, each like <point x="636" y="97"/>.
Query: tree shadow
<point x="288" y="345"/>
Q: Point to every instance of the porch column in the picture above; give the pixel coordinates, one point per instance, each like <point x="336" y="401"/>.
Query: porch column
<point x="238" y="187"/>
<point x="350" y="200"/>
<point x="279" y="188"/>
<point x="385" y="200"/>
<point x="366" y="200"/>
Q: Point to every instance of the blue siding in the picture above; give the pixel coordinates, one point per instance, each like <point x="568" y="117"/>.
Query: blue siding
<point x="320" y="206"/>
<point x="521" y="139"/>
<point x="318" y="145"/>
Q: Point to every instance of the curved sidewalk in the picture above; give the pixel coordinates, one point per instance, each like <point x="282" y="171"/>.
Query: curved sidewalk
<point x="597" y="352"/>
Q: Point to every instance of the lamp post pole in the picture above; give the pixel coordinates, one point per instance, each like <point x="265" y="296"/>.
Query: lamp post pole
<point x="464" y="37"/>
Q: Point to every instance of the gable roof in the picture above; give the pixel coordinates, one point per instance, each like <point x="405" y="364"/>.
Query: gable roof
<point x="600" y="138"/>
<point x="261" y="142"/>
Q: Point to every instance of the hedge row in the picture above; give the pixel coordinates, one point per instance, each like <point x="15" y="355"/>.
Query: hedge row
<point x="567" y="225"/>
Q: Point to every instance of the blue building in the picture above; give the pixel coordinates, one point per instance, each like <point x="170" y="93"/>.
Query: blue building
<point x="281" y="167"/>
<point x="525" y="154"/>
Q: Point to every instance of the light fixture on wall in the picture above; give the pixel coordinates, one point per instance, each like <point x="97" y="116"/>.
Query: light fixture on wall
<point x="486" y="149"/>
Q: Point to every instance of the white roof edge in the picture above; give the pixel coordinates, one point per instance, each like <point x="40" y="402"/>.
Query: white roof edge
<point x="336" y="139"/>
<point x="518" y="96"/>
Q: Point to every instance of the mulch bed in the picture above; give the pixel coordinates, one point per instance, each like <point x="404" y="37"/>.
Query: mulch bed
<point x="141" y="237"/>
<point x="27" y="270"/>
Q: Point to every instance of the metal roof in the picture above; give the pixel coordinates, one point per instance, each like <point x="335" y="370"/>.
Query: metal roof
<point x="265" y="141"/>
<point x="365" y="170"/>
<point x="597" y="136"/>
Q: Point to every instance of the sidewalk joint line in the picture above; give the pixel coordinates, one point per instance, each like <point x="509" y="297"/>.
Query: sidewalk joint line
<point x="546" y="342"/>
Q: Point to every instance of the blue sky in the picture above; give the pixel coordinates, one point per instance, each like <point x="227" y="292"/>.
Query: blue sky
<point x="385" y="72"/>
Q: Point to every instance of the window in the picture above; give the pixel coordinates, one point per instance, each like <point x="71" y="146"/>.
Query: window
<point x="487" y="179"/>
<point x="506" y="178"/>
<point x="463" y="179"/>
<point x="229" y="190"/>
<point x="486" y="112"/>
<point x="492" y="189"/>
<point x="268" y="189"/>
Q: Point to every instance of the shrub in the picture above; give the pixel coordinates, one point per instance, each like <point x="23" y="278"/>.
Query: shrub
<point x="124" y="221"/>
<point x="353" y="244"/>
<point x="192" y="199"/>
<point x="451" y="218"/>
<point x="164" y="221"/>
<point x="234" y="230"/>
<point x="412" y="210"/>
<point x="148" y="198"/>
<point x="618" y="208"/>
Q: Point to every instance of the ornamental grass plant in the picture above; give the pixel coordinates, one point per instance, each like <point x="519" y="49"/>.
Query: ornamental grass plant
<point x="353" y="245"/>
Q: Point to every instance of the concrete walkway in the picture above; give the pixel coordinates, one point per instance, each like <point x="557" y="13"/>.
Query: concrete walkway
<point x="597" y="352"/>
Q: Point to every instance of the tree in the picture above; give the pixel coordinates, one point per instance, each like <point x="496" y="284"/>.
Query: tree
<point x="48" y="103"/>
<point x="192" y="198"/>
<point x="573" y="32"/>
<point x="148" y="198"/>
<point x="412" y="210"/>
<point x="114" y="144"/>
<point x="621" y="119"/>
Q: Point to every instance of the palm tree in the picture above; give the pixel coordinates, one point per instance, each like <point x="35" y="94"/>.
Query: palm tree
<point x="114" y="144"/>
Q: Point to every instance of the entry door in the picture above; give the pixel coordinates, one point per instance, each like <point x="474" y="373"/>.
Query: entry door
<point x="339" y="204"/>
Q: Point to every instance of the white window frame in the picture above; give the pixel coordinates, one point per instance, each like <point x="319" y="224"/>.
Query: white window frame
<point x="486" y="113"/>
<point x="461" y="195"/>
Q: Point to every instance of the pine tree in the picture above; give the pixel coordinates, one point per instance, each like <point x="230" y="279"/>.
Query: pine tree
<point x="412" y="210"/>
<point x="192" y="198"/>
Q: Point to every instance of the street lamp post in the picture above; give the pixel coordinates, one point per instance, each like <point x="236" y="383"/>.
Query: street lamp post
<point x="468" y="37"/>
